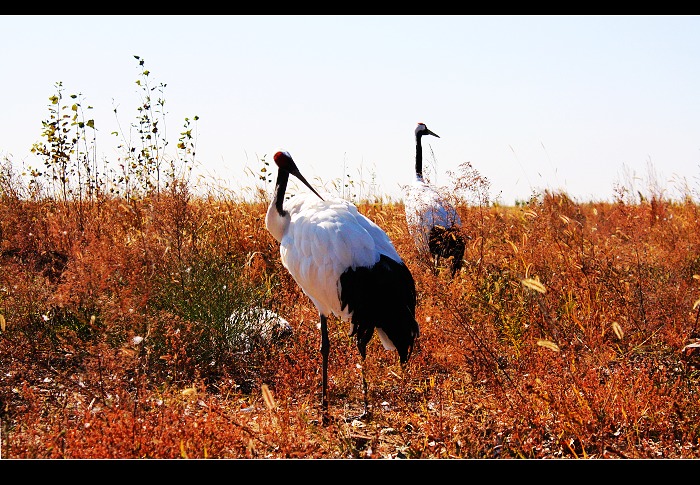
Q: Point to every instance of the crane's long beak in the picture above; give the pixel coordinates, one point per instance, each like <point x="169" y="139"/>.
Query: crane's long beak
<point x="298" y="175"/>
<point x="428" y="132"/>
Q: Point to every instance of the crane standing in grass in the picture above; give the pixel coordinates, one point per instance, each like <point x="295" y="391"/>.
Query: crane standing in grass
<point x="432" y="221"/>
<point x="347" y="266"/>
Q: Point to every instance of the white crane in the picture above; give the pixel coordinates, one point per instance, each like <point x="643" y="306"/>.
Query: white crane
<point x="432" y="221"/>
<point x="347" y="266"/>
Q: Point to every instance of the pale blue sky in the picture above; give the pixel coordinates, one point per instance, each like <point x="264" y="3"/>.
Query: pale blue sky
<point x="567" y="103"/>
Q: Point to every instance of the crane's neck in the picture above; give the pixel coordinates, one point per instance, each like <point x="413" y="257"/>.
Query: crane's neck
<point x="277" y="219"/>
<point x="280" y="190"/>
<point x="419" y="159"/>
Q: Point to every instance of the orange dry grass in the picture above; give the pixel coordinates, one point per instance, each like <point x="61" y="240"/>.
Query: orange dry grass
<point x="585" y="361"/>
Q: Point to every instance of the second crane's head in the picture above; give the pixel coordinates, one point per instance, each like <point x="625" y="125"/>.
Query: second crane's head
<point x="284" y="162"/>
<point x="421" y="130"/>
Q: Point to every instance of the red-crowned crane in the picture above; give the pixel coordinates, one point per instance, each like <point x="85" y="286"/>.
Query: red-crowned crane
<point x="432" y="221"/>
<point x="347" y="266"/>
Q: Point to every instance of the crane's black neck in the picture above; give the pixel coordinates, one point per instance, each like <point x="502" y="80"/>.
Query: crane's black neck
<point x="280" y="189"/>
<point x="419" y="158"/>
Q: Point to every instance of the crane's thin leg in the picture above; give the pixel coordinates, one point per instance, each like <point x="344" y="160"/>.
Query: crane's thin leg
<point x="325" y="348"/>
<point x="366" y="414"/>
<point x="455" y="266"/>
<point x="365" y="393"/>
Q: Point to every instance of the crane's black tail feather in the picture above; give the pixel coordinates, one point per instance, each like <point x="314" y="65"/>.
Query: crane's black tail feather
<point x="447" y="242"/>
<point x="382" y="296"/>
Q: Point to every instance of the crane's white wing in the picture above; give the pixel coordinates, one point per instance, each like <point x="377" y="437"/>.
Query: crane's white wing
<point x="324" y="238"/>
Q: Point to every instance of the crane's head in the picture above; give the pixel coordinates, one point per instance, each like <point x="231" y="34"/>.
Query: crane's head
<point x="284" y="162"/>
<point x="421" y="130"/>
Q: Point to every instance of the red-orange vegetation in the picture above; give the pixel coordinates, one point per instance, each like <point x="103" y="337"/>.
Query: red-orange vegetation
<point x="562" y="336"/>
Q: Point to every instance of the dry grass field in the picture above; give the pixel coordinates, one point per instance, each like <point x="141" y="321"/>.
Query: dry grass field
<point x="572" y="330"/>
<point x="566" y="335"/>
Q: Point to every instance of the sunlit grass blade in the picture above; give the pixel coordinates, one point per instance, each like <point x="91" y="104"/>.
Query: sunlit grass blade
<point x="534" y="285"/>
<point x="267" y="397"/>
<point x="548" y="345"/>
<point x="618" y="330"/>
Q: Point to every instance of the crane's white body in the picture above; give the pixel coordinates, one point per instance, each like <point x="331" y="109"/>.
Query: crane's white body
<point x="425" y="208"/>
<point x="321" y="239"/>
